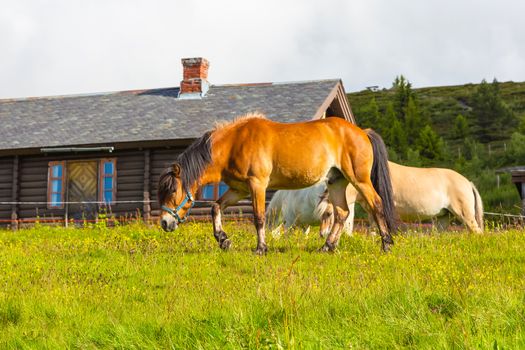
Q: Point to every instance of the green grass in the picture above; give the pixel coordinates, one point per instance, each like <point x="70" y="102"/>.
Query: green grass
<point x="136" y="287"/>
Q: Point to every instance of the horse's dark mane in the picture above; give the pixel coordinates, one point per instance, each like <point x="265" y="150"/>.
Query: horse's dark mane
<point x="193" y="161"/>
<point x="167" y="185"/>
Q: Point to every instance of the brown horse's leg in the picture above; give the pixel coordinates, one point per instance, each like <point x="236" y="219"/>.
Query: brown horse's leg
<point x="259" y="203"/>
<point x="227" y="199"/>
<point x="374" y="206"/>
<point x="336" y="195"/>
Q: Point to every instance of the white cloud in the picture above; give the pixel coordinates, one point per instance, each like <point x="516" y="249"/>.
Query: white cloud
<point x="62" y="47"/>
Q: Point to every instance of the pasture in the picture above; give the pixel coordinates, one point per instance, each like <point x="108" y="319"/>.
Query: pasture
<point x="137" y="287"/>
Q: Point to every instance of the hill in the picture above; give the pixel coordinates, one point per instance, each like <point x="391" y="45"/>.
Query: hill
<point x="443" y="103"/>
<point x="498" y="107"/>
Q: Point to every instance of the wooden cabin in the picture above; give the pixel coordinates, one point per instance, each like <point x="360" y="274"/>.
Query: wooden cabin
<point x="66" y="158"/>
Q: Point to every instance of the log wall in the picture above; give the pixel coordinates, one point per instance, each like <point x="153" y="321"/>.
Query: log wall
<point x="137" y="179"/>
<point x="6" y="188"/>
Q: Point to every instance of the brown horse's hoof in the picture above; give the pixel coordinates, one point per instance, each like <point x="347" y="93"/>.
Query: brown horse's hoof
<point x="327" y="248"/>
<point x="261" y="250"/>
<point x="386" y="247"/>
<point x="226" y="244"/>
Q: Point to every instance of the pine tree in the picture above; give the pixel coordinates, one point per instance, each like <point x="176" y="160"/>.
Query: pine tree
<point x="491" y="114"/>
<point x="521" y="127"/>
<point x="413" y="121"/>
<point x="413" y="158"/>
<point x="516" y="153"/>
<point x="473" y="149"/>
<point x="398" y="138"/>
<point x="403" y="93"/>
<point x="387" y="121"/>
<point x="461" y="129"/>
<point x="370" y="117"/>
<point x="429" y="144"/>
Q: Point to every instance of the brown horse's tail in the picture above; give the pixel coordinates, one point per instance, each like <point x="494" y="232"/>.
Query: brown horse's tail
<point x="381" y="179"/>
<point x="478" y="207"/>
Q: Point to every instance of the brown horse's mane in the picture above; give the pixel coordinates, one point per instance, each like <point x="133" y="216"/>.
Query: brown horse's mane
<point x="167" y="185"/>
<point x="222" y="124"/>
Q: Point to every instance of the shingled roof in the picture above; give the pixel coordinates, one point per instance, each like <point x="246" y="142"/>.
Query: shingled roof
<point x="150" y="115"/>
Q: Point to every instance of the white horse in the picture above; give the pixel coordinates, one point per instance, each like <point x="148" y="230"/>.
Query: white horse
<point x="302" y="208"/>
<point x="426" y="193"/>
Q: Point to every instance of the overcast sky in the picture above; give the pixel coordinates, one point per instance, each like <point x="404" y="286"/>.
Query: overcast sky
<point x="69" y="47"/>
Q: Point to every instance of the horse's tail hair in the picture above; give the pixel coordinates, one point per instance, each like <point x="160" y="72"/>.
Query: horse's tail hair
<point x="274" y="209"/>
<point x="381" y="179"/>
<point x="478" y="207"/>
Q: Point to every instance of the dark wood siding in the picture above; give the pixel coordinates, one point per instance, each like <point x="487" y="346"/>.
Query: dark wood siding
<point x="130" y="181"/>
<point x="33" y="183"/>
<point x="6" y="190"/>
<point x="33" y="188"/>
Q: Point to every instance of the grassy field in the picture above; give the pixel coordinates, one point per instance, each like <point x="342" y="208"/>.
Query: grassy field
<point x="136" y="287"/>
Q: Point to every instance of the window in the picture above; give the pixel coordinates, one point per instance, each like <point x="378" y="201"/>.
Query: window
<point x="222" y="189"/>
<point x="212" y="192"/>
<point x="55" y="185"/>
<point x="208" y="192"/>
<point x="107" y="180"/>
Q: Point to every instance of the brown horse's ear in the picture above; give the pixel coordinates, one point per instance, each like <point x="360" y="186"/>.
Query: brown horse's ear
<point x="176" y="170"/>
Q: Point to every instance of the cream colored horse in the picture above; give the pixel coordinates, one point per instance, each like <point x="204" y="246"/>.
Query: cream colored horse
<point x="426" y="193"/>
<point x="419" y="194"/>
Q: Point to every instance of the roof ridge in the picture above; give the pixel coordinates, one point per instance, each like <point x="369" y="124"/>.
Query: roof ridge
<point x="296" y="82"/>
<point x="140" y="91"/>
<point x="84" y="94"/>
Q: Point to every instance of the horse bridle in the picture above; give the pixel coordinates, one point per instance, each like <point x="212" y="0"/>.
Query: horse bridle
<point x="173" y="212"/>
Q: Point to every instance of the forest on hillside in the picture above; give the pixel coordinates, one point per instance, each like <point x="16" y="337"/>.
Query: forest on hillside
<point x="475" y="129"/>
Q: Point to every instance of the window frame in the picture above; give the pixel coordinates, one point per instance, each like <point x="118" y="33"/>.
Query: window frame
<point x="50" y="179"/>
<point x="216" y="191"/>
<point x="63" y="180"/>
<point x="102" y="176"/>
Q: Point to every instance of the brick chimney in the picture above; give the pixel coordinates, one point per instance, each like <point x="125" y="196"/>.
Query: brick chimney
<point x="195" y="78"/>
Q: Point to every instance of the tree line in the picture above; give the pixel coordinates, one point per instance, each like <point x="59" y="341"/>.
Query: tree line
<point x="487" y="135"/>
<point x="412" y="138"/>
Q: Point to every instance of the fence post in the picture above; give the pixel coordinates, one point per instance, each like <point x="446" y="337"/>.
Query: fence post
<point x="523" y="198"/>
<point x="146" y="209"/>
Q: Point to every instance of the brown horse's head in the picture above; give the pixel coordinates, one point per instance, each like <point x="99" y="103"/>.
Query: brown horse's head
<point x="178" y="183"/>
<point x="175" y="199"/>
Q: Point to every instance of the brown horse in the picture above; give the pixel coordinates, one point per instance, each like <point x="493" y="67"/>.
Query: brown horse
<point x="252" y="154"/>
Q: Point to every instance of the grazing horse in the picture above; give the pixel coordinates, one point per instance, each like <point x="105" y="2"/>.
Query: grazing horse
<point x="302" y="208"/>
<point x="252" y="154"/>
<point x="423" y="193"/>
